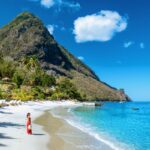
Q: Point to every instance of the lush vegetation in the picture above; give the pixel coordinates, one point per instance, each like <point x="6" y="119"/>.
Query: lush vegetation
<point x="59" y="75"/>
<point x="26" y="80"/>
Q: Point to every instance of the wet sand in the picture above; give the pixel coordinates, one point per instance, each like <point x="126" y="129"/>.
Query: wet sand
<point x="63" y="136"/>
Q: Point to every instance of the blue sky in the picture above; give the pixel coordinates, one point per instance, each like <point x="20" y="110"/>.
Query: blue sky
<point x="110" y="36"/>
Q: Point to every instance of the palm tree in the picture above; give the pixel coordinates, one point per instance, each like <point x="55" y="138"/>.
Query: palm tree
<point x="30" y="63"/>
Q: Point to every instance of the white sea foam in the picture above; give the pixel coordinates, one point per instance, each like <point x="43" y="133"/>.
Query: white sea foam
<point x="86" y="128"/>
<point x="115" y="145"/>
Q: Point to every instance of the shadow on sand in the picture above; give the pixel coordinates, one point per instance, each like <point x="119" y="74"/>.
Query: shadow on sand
<point x="3" y="136"/>
<point x="2" y="145"/>
<point x="38" y="134"/>
<point x="10" y="124"/>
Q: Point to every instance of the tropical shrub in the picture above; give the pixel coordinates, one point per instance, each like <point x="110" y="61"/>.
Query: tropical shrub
<point x="48" y="80"/>
<point x="18" y="79"/>
<point x="1" y="94"/>
<point x="67" y="87"/>
<point x="7" y="68"/>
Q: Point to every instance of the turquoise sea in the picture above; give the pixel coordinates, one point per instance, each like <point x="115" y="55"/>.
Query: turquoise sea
<point x="116" y="124"/>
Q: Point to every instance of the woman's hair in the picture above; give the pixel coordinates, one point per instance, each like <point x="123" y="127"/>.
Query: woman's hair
<point x="28" y="114"/>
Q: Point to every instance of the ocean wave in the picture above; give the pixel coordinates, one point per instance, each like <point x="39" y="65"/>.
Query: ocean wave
<point x="77" y="122"/>
<point x="103" y="137"/>
<point x="115" y="145"/>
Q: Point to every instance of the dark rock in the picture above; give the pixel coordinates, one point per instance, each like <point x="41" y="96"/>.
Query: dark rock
<point x="26" y="36"/>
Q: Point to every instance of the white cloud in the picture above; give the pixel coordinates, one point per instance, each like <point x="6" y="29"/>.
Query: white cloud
<point x="128" y="44"/>
<point x="69" y="4"/>
<point x="81" y="58"/>
<point x="50" y="28"/>
<point x="47" y="3"/>
<point x="59" y="4"/>
<point x="101" y="26"/>
<point x="142" y="45"/>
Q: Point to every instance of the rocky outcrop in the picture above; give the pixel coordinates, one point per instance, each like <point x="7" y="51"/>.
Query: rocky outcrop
<point x="26" y="36"/>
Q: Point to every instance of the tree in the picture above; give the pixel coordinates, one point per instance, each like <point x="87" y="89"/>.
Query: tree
<point x="1" y="57"/>
<point x="48" y="80"/>
<point x="7" y="68"/>
<point x="30" y="63"/>
<point x="1" y="94"/>
<point x="67" y="87"/>
<point x="18" y="79"/>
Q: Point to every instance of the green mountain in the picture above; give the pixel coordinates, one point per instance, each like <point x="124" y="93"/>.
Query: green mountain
<point x="26" y="36"/>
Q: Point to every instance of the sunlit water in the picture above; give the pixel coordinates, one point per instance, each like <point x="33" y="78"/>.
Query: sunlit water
<point x="116" y="124"/>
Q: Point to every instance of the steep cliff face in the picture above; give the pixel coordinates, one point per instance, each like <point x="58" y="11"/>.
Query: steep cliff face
<point x="27" y="36"/>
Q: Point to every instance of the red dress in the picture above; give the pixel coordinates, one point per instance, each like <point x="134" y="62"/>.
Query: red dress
<point x="28" y="126"/>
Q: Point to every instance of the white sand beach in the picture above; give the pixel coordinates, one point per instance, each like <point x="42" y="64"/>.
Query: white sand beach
<point x="12" y="126"/>
<point x="13" y="131"/>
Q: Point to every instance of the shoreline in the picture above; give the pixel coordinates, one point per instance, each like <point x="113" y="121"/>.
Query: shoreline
<point x="64" y="136"/>
<point x="49" y="131"/>
<point x="13" y="130"/>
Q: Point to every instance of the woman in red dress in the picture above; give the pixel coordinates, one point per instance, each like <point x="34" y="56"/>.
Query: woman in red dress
<point x="28" y="124"/>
